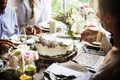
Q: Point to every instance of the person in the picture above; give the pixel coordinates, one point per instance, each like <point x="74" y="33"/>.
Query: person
<point x="109" y="16"/>
<point x="35" y="13"/>
<point x="91" y="31"/>
<point x="8" y="21"/>
<point x="96" y="33"/>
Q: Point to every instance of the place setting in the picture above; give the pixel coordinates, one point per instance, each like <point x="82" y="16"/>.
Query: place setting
<point x="66" y="71"/>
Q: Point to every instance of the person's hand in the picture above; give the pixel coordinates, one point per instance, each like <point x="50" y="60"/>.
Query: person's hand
<point x="110" y="55"/>
<point x="5" y="45"/>
<point x="32" y="30"/>
<point x="38" y="29"/>
<point x="89" y="34"/>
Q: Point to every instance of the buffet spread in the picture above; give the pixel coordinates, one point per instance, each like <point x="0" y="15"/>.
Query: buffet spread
<point x="58" y="55"/>
<point x="50" y="56"/>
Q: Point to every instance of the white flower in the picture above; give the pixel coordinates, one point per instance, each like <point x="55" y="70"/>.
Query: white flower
<point x="69" y="21"/>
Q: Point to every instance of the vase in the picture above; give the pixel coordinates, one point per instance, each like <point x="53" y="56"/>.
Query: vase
<point x="69" y="31"/>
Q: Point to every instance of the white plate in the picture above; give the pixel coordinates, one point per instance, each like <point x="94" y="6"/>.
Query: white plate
<point x="30" y="39"/>
<point x="77" y="36"/>
<point x="95" y="44"/>
<point x="66" y="69"/>
<point x="74" y="66"/>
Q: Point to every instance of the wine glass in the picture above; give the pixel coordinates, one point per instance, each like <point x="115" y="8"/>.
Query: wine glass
<point x="30" y="70"/>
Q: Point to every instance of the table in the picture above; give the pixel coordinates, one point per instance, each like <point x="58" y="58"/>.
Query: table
<point x="91" y="59"/>
<point x="88" y="58"/>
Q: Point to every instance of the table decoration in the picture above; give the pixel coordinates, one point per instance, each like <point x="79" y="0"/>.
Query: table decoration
<point x="85" y="11"/>
<point x="67" y="19"/>
<point x="22" y="60"/>
<point x="53" y="49"/>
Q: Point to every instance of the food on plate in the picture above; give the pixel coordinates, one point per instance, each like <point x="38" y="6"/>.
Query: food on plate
<point x="94" y="45"/>
<point x="97" y="44"/>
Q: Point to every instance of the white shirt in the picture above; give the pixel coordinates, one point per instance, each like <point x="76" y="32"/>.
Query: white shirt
<point x="8" y="24"/>
<point x="42" y="12"/>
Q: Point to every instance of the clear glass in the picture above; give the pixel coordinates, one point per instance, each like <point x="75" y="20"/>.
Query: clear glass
<point x="23" y="36"/>
<point x="30" y="69"/>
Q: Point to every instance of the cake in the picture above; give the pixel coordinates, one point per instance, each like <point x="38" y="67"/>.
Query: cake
<point x="52" y="49"/>
<point x="53" y="46"/>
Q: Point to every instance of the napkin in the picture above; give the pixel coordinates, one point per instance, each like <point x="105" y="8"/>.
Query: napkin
<point x="56" y="69"/>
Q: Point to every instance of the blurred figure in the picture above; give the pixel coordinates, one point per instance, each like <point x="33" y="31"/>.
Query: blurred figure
<point x="13" y="3"/>
<point x="109" y="16"/>
<point x="96" y="33"/>
<point x="32" y="14"/>
<point x="8" y="21"/>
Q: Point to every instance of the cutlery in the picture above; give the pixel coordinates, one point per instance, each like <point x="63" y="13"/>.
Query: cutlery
<point x="89" y="68"/>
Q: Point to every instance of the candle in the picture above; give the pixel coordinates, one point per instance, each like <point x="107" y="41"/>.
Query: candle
<point x="52" y="25"/>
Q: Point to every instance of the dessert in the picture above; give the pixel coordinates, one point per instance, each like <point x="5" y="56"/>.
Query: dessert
<point x="53" y="49"/>
<point x="54" y="46"/>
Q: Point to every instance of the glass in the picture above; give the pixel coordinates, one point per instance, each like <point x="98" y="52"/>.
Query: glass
<point x="30" y="70"/>
<point x="23" y="36"/>
<point x="19" y="71"/>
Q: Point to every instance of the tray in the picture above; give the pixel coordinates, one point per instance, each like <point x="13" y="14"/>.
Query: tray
<point x="46" y="60"/>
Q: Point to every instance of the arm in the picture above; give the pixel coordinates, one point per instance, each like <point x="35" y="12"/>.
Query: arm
<point x="5" y="45"/>
<point x="21" y="13"/>
<point x="22" y="20"/>
<point x="16" y="27"/>
<point x="46" y="11"/>
<point x="91" y="34"/>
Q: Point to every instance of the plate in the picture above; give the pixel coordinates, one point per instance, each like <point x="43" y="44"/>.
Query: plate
<point x="94" y="44"/>
<point x="16" y="42"/>
<point x="60" y="71"/>
<point x="45" y="29"/>
<point x="46" y="60"/>
<point x="75" y="66"/>
<point x="28" y="39"/>
<point x="77" y="36"/>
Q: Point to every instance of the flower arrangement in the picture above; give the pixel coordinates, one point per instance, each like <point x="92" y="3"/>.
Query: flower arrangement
<point x="21" y="55"/>
<point x="85" y="11"/>
<point x="20" y="58"/>
<point x="67" y="19"/>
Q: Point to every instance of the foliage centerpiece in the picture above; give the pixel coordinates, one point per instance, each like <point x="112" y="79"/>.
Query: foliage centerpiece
<point x="66" y="18"/>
